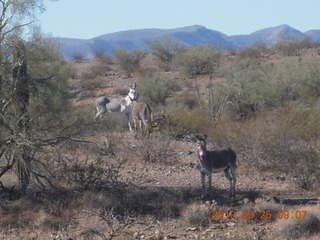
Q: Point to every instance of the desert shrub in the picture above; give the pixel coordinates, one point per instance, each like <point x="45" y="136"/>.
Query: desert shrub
<point x="244" y="88"/>
<point x="276" y="86"/>
<point x="200" y="215"/>
<point x="217" y="100"/>
<point x="129" y="61"/>
<point x="94" y="177"/>
<point x="90" y="79"/>
<point x="111" y="224"/>
<point x="287" y="82"/>
<point x="276" y="140"/>
<point x="78" y="57"/>
<point x="103" y="59"/>
<point x="185" y="99"/>
<point x="99" y="69"/>
<point x="121" y="91"/>
<point x="90" y="83"/>
<point x="99" y="54"/>
<point x="305" y="165"/>
<point x="166" y="49"/>
<point x="253" y="51"/>
<point x="156" y="88"/>
<point x="310" y="81"/>
<point x="290" y="47"/>
<point x="155" y="150"/>
<point x="183" y="121"/>
<point x="198" y="60"/>
<point x="291" y="82"/>
<point x="250" y="87"/>
<point x="294" y="228"/>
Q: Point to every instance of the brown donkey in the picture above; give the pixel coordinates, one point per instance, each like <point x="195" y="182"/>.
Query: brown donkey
<point x="141" y="112"/>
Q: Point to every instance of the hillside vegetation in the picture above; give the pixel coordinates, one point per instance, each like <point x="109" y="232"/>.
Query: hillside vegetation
<point x="95" y="180"/>
<point x="262" y="102"/>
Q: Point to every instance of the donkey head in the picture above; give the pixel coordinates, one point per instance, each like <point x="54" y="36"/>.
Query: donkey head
<point x="201" y="146"/>
<point x="132" y="92"/>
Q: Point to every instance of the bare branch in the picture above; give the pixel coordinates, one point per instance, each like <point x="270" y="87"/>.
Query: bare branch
<point x="17" y="27"/>
<point x="43" y="80"/>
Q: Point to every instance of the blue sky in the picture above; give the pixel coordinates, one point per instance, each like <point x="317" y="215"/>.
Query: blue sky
<point x="87" y="19"/>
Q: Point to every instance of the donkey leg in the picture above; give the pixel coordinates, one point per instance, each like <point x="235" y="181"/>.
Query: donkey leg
<point x="234" y="180"/>
<point x="231" y="180"/>
<point x="129" y="122"/>
<point x="140" y="126"/>
<point x="100" y="112"/>
<point x="135" y="125"/>
<point x="210" y="185"/>
<point x="144" y="127"/>
<point x="203" y="182"/>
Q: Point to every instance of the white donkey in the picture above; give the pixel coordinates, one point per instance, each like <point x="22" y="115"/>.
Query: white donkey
<point x="117" y="105"/>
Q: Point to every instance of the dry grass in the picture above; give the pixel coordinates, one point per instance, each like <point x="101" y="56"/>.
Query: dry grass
<point x="199" y="214"/>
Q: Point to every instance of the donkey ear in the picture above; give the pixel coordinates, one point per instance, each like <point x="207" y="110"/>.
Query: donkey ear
<point x="134" y="85"/>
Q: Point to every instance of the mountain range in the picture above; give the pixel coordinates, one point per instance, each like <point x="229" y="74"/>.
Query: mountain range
<point x="190" y="36"/>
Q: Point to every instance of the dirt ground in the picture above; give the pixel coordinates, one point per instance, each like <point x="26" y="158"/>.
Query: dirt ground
<point x="163" y="196"/>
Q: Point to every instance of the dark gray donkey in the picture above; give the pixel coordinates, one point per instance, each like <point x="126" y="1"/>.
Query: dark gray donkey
<point x="116" y="105"/>
<point x="216" y="161"/>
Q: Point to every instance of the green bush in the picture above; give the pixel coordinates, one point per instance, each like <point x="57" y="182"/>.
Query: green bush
<point x="94" y="177"/>
<point x="166" y="49"/>
<point x="183" y="121"/>
<point x="255" y="51"/>
<point x="157" y="88"/>
<point x="198" y="60"/>
<point x="78" y="57"/>
<point x="256" y="87"/>
<point x="310" y="81"/>
<point x="290" y="47"/>
<point x="129" y="61"/>
<point x="91" y="83"/>
<point x="282" y="140"/>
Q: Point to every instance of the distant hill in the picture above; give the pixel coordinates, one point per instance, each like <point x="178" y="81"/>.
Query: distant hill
<point x="191" y="36"/>
<point x="314" y="35"/>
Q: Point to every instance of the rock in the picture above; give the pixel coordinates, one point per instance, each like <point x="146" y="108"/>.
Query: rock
<point x="157" y="235"/>
<point x="231" y="224"/>
<point x="135" y="235"/>
<point x="171" y="237"/>
<point x="191" y="229"/>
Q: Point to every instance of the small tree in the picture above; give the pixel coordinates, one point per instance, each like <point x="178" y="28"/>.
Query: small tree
<point x="129" y="60"/>
<point x="166" y="49"/>
<point x="33" y="96"/>
<point x="157" y="88"/>
<point x="198" y="60"/>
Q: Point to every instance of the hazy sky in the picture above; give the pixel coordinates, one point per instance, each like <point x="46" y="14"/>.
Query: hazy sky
<point x="87" y="19"/>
